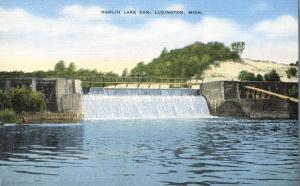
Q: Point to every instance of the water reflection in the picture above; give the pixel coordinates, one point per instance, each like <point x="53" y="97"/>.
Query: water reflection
<point x="34" y="149"/>
<point x="151" y="152"/>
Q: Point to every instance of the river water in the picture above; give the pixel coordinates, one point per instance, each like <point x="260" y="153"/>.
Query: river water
<point x="207" y="151"/>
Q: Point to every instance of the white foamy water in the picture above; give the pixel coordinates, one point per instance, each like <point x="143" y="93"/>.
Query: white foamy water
<point x="102" y="104"/>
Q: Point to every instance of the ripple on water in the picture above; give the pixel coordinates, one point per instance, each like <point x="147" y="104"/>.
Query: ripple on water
<point x="152" y="152"/>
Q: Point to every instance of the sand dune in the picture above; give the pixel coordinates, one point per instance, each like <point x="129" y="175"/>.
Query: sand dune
<point x="229" y="70"/>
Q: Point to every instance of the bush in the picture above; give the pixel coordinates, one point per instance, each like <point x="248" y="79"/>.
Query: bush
<point x="24" y="99"/>
<point x="293" y="91"/>
<point x="5" y="100"/>
<point x="291" y="72"/>
<point x="272" y="76"/>
<point x="8" y="116"/>
<point x="249" y="76"/>
<point x="246" y="76"/>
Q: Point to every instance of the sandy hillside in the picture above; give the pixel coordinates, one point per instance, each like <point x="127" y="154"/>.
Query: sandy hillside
<point x="229" y="70"/>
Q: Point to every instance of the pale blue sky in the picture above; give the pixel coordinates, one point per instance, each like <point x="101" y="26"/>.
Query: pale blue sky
<point x="242" y="11"/>
<point x="41" y="32"/>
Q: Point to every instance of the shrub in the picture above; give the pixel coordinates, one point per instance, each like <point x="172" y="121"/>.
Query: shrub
<point x="8" y="116"/>
<point x="293" y="91"/>
<point x="5" y="100"/>
<point x="291" y="72"/>
<point x="24" y="99"/>
<point x="272" y="76"/>
<point x="246" y="76"/>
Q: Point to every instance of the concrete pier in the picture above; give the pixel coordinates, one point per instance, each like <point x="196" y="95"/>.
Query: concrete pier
<point x="61" y="95"/>
<point x="233" y="99"/>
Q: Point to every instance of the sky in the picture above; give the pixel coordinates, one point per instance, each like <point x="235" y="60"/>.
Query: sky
<point x="36" y="34"/>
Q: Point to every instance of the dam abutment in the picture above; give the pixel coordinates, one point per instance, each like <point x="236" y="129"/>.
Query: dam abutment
<point x="61" y="95"/>
<point x="233" y="99"/>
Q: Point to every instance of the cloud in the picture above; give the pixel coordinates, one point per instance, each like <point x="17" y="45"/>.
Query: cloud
<point x="282" y="26"/>
<point x="93" y="42"/>
<point x="82" y="13"/>
<point x="176" y="7"/>
<point x="18" y="20"/>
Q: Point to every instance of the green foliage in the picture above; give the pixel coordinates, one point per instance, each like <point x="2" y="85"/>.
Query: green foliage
<point x="8" y="116"/>
<point x="238" y="47"/>
<point x="291" y="72"/>
<point x="272" y="76"/>
<point x="259" y="77"/>
<point x="294" y="64"/>
<point x="24" y="99"/>
<point x="246" y="76"/>
<point x="139" y="70"/>
<point x="186" y="62"/>
<point x="125" y="72"/>
<point x="60" y="70"/>
<point x="293" y="91"/>
<point x="60" y="66"/>
<point x="164" y="52"/>
<point x="249" y="76"/>
<point x="5" y="100"/>
<point x="71" y="68"/>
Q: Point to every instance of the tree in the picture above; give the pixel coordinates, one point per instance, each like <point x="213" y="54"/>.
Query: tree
<point x="246" y="76"/>
<point x="164" y="52"/>
<point x="259" y="77"/>
<point x="125" y="72"/>
<point x="291" y="72"/>
<point x="24" y="99"/>
<point x="272" y="76"/>
<point x="60" y="66"/>
<point x="139" y="70"/>
<point x="186" y="62"/>
<point x="238" y="47"/>
<point x="72" y="67"/>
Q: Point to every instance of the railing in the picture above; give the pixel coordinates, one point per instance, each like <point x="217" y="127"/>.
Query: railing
<point x="262" y="91"/>
<point x="103" y="81"/>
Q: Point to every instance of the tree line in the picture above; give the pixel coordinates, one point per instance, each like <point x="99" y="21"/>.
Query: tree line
<point x="61" y="69"/>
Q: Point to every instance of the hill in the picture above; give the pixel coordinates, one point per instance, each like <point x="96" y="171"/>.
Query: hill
<point x="186" y="62"/>
<point x="229" y="70"/>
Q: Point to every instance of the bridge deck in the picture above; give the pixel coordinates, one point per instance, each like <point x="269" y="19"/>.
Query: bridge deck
<point x="272" y="93"/>
<point x="152" y="83"/>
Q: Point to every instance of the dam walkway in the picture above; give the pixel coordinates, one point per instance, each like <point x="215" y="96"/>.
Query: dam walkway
<point x="139" y="82"/>
<point x="261" y="93"/>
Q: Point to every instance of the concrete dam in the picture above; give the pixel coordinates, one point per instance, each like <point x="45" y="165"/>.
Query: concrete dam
<point x="220" y="98"/>
<point x="110" y="103"/>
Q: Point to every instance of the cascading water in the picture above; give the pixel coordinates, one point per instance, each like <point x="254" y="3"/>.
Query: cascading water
<point x="109" y="103"/>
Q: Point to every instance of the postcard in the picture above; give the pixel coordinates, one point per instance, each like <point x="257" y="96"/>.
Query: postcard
<point x="136" y="92"/>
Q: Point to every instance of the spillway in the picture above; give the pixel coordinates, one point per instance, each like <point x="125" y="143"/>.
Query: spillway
<point x="110" y="103"/>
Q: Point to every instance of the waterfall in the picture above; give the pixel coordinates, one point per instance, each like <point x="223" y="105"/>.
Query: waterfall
<point x="109" y="103"/>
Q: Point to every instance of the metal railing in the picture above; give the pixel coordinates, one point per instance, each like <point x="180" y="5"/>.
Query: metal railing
<point x="117" y="80"/>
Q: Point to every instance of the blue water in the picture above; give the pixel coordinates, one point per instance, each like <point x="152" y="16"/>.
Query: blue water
<point x="151" y="152"/>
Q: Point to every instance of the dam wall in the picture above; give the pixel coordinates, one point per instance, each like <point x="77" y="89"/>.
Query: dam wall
<point x="224" y="98"/>
<point x="231" y="98"/>
<point x="62" y="95"/>
<point x="68" y="95"/>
